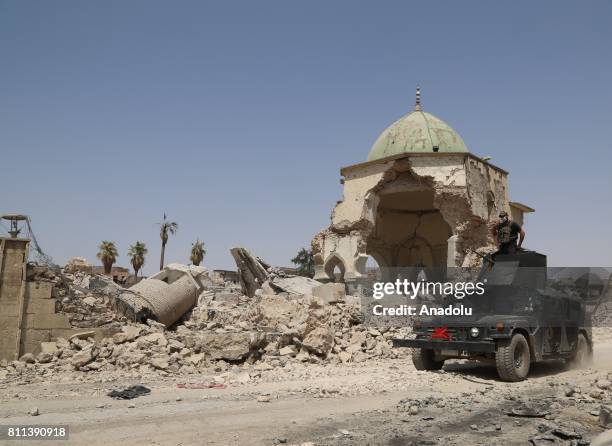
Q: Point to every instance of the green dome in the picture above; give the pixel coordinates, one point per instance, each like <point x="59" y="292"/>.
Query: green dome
<point x="417" y="132"/>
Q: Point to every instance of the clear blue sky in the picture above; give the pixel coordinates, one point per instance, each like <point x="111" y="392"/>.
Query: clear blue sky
<point x="235" y="117"/>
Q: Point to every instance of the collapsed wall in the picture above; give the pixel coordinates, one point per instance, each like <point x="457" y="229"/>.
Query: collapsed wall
<point x="29" y="311"/>
<point x="419" y="209"/>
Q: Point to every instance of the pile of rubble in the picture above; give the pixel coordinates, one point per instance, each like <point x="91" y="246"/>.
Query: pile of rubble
<point x="87" y="299"/>
<point x="268" y="330"/>
<point x="287" y="319"/>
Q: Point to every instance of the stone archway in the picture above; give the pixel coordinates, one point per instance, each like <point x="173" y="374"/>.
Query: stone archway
<point x="333" y="264"/>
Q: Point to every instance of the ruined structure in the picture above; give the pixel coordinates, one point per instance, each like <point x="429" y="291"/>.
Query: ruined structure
<point x="27" y="304"/>
<point x="421" y="199"/>
<point x="165" y="296"/>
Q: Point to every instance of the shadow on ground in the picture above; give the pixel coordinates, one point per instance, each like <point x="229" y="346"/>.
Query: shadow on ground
<point x="489" y="372"/>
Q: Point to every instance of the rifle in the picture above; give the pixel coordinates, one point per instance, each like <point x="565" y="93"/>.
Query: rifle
<point x="486" y="257"/>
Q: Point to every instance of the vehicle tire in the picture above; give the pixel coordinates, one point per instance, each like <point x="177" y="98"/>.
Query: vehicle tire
<point x="513" y="359"/>
<point x="583" y="354"/>
<point x="423" y="359"/>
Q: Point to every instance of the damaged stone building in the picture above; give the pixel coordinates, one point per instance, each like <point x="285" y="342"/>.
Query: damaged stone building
<point x="421" y="199"/>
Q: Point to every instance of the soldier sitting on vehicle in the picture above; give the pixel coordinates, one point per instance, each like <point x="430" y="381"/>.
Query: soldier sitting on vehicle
<point x="507" y="232"/>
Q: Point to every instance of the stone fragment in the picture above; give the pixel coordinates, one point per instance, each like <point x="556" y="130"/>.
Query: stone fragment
<point x="48" y="347"/>
<point x="230" y="346"/>
<point x="289" y="350"/>
<point x="605" y="417"/>
<point x="345" y="356"/>
<point x="330" y="293"/>
<point x="195" y="359"/>
<point x="156" y="338"/>
<point x="84" y="356"/>
<point x="28" y="358"/>
<point x="44" y="357"/>
<point x="319" y="341"/>
<point x="90" y="300"/>
<point x="83" y="335"/>
<point x="159" y="363"/>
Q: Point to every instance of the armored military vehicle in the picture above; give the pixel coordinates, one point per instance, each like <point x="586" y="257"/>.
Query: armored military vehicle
<point x="519" y="320"/>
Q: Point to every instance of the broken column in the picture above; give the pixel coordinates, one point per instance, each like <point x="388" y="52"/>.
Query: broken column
<point x="165" y="296"/>
<point x="252" y="271"/>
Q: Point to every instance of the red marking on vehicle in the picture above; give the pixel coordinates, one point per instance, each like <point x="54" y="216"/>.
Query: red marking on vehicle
<point x="441" y="333"/>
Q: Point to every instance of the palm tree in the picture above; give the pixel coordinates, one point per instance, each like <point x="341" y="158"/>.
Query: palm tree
<point x="108" y="255"/>
<point x="304" y="260"/>
<point x="197" y="252"/>
<point x="137" y="253"/>
<point x="166" y="228"/>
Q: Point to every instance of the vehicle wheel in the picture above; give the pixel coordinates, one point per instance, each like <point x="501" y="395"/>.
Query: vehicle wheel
<point x="583" y="355"/>
<point x="512" y="358"/>
<point x="423" y="359"/>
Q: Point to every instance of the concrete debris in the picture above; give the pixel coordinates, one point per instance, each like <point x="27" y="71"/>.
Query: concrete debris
<point x="230" y="346"/>
<point x="267" y="331"/>
<point x="84" y="356"/>
<point x="330" y="293"/>
<point x="252" y="271"/>
<point x="293" y="286"/>
<point x="165" y="296"/>
<point x="319" y="341"/>
<point x="605" y="417"/>
<point x="28" y="358"/>
<point x="257" y="276"/>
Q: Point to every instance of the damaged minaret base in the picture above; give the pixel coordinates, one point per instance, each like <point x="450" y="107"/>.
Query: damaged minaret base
<point x="165" y="296"/>
<point x="255" y="274"/>
<point x="252" y="271"/>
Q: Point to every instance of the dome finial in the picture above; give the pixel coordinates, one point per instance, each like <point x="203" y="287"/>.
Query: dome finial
<point x="417" y="105"/>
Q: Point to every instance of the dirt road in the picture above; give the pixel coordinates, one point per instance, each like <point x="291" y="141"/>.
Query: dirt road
<point x="386" y="403"/>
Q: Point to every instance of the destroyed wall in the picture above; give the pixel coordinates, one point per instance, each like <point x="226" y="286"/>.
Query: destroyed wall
<point x="27" y="307"/>
<point x="13" y="257"/>
<point x="442" y="203"/>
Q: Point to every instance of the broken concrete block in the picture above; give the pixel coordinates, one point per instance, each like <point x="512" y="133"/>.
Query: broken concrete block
<point x="84" y="356"/>
<point x="128" y="333"/>
<point x="290" y="350"/>
<point x="156" y="338"/>
<point x="44" y="357"/>
<point x="319" y="341"/>
<point x="48" y="347"/>
<point x="90" y="300"/>
<point x="82" y="335"/>
<point x="230" y="346"/>
<point x="195" y="359"/>
<point x="345" y="356"/>
<point x="28" y="358"/>
<point x="252" y="270"/>
<point x="297" y="285"/>
<point x="605" y="417"/>
<point x="330" y="292"/>
<point x="160" y="363"/>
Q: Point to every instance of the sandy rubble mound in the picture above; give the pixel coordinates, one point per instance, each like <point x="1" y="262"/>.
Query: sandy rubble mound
<point x="224" y="329"/>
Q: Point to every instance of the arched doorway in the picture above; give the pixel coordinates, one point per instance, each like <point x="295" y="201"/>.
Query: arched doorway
<point x="335" y="268"/>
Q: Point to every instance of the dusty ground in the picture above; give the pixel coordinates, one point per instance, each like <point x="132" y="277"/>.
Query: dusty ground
<point x="385" y="402"/>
